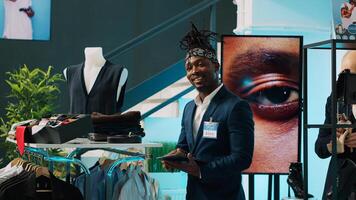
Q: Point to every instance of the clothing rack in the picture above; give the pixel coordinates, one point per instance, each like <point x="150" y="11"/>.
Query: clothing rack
<point x="109" y="187"/>
<point x="83" y="145"/>
<point x="52" y="159"/>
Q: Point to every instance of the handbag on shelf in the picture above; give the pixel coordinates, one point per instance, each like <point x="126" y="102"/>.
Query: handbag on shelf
<point x="29" y="11"/>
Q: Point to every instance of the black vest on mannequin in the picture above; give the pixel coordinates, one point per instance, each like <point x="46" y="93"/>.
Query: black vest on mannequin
<point x="103" y="94"/>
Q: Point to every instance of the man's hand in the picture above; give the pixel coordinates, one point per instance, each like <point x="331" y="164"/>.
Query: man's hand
<point x="339" y="132"/>
<point x="342" y="119"/>
<point x="350" y="140"/>
<point x="178" y="152"/>
<point x="190" y="167"/>
<point x="340" y="140"/>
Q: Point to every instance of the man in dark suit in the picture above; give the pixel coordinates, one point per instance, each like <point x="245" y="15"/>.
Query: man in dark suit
<point x="324" y="137"/>
<point x="217" y="129"/>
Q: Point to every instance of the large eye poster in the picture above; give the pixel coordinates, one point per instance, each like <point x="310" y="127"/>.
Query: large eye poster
<point x="266" y="72"/>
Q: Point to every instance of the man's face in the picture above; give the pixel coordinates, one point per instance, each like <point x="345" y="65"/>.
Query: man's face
<point x="265" y="72"/>
<point x="201" y="72"/>
<point x="349" y="62"/>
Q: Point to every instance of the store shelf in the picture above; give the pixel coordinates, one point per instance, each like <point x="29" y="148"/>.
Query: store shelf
<point x="332" y="45"/>
<point x="86" y="143"/>
<point x="327" y="44"/>
<point x="330" y="125"/>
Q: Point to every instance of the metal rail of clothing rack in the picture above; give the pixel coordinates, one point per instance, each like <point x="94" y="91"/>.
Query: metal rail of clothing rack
<point x="83" y="145"/>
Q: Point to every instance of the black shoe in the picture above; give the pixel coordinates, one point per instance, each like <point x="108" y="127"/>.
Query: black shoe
<point x="295" y="180"/>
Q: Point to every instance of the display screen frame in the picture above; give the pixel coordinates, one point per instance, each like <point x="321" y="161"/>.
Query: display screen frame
<point x="297" y="158"/>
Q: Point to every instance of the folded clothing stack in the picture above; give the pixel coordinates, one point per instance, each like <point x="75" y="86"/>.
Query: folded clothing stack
<point x="117" y="128"/>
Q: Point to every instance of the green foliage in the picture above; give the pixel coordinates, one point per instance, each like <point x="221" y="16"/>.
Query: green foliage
<point x="32" y="95"/>
<point x="155" y="165"/>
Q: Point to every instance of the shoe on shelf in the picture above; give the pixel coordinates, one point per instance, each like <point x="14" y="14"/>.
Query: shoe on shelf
<point x="295" y="180"/>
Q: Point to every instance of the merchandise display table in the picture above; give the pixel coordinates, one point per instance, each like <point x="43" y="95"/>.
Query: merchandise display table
<point x="86" y="143"/>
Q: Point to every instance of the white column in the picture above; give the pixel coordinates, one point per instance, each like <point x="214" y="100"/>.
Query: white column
<point x="244" y="16"/>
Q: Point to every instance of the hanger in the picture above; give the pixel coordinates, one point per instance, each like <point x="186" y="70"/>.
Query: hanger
<point x="124" y="166"/>
<point x="139" y="169"/>
<point x="38" y="170"/>
<point x="104" y="162"/>
<point x="131" y="166"/>
<point x="42" y="171"/>
<point x="27" y="166"/>
<point x="34" y="168"/>
<point x="15" y="162"/>
<point x="43" y="182"/>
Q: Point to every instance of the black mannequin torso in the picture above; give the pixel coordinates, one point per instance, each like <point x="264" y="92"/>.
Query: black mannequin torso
<point x="97" y="80"/>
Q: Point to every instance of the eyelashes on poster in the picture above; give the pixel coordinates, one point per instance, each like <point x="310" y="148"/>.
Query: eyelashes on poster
<point x="265" y="71"/>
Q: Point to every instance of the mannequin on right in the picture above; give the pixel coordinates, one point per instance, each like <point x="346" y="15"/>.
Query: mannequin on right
<point x="349" y="148"/>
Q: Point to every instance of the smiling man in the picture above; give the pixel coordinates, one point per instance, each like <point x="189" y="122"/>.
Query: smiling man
<point x="217" y="128"/>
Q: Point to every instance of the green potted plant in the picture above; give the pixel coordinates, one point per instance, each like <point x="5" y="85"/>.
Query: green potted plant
<point x="33" y="93"/>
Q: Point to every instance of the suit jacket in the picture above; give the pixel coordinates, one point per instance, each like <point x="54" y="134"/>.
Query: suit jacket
<point x="220" y="160"/>
<point x="23" y="187"/>
<point x="324" y="138"/>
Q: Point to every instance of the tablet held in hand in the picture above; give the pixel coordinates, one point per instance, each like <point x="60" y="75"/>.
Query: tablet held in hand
<point x="174" y="158"/>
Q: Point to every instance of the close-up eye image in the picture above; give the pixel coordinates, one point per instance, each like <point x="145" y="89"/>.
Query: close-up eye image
<point x="271" y="96"/>
<point x="266" y="72"/>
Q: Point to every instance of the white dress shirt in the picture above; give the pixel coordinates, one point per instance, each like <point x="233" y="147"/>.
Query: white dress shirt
<point x="9" y="172"/>
<point x="201" y="107"/>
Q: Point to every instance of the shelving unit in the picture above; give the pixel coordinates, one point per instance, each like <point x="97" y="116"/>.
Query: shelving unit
<point x="86" y="143"/>
<point x="332" y="45"/>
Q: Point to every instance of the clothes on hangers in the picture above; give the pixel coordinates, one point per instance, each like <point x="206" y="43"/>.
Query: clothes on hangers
<point x="128" y="183"/>
<point x="139" y="186"/>
<point x="9" y="171"/>
<point x="22" y="180"/>
<point x="17" y="188"/>
<point x="154" y="186"/>
<point x="98" y="181"/>
<point x="120" y="184"/>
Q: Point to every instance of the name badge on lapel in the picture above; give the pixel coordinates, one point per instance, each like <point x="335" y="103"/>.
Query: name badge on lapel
<point x="210" y="129"/>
